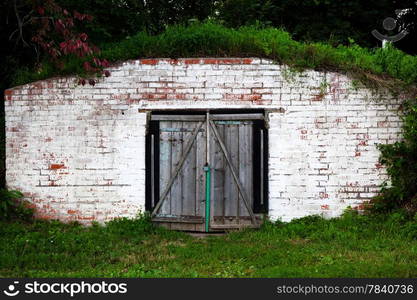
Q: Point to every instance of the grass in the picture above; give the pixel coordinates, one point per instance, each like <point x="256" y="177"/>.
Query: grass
<point x="350" y="246"/>
<point x="371" y="66"/>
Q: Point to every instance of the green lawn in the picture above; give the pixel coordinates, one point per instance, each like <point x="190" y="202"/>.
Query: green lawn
<point x="350" y="246"/>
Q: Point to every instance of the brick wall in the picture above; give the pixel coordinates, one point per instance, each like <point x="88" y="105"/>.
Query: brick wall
<point x="77" y="152"/>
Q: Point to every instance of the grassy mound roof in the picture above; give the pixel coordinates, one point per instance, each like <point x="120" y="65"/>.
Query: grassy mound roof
<point x="388" y="66"/>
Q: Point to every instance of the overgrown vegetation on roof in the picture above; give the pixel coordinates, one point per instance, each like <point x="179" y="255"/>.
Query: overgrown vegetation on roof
<point x="386" y="67"/>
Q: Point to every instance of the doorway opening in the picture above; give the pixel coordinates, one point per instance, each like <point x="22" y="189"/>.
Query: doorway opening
<point x="207" y="170"/>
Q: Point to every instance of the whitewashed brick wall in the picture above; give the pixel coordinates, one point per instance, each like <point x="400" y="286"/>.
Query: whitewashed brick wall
<point x="77" y="152"/>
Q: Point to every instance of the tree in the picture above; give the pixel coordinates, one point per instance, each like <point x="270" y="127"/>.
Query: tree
<point x="54" y="33"/>
<point x="117" y="19"/>
<point x="336" y="22"/>
<point x="407" y="20"/>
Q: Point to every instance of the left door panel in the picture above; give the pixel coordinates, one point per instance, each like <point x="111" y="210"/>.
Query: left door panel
<point x="185" y="199"/>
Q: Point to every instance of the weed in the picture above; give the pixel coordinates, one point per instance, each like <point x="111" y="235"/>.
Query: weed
<point x="11" y="206"/>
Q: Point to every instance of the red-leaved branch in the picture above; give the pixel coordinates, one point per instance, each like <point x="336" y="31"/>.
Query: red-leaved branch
<point x="57" y="35"/>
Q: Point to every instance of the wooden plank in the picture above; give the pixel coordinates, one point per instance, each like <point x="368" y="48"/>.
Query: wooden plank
<point x="234" y="173"/>
<point x="231" y="193"/>
<point x="200" y="227"/>
<point x="228" y="184"/>
<point x="241" y="221"/>
<point x="249" y="171"/>
<point x="189" y="175"/>
<point x="236" y="117"/>
<point x="200" y="160"/>
<point x="235" y="162"/>
<point x="234" y="226"/>
<point x="177" y="170"/>
<point x="165" y="166"/>
<point x="183" y="226"/>
<point x="208" y="203"/>
<point x="183" y="219"/>
<point x="182" y="118"/>
<point x="182" y="129"/>
<point x="176" y="154"/>
<point x="152" y="170"/>
<point x="246" y="165"/>
<point x="194" y="118"/>
<point x="262" y="167"/>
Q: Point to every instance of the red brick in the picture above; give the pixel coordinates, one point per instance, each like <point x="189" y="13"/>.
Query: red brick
<point x="191" y="61"/>
<point x="211" y="61"/>
<point x="229" y="61"/>
<point x="318" y="97"/>
<point x="252" y="97"/>
<point x="14" y="129"/>
<point x="86" y="218"/>
<point x="56" y="166"/>
<point x="46" y="216"/>
<point x="233" y="96"/>
<point x="149" y="61"/>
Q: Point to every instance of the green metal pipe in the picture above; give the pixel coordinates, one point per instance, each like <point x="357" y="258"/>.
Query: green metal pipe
<point x="208" y="184"/>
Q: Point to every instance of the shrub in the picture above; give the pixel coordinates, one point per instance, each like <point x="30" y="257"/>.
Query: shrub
<point x="400" y="159"/>
<point x="11" y="206"/>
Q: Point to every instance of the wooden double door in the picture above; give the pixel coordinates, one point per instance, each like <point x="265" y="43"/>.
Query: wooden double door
<point x="181" y="149"/>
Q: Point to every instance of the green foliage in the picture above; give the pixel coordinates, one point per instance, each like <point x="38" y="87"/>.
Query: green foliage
<point x="128" y="227"/>
<point x="12" y="207"/>
<point x="400" y="159"/>
<point x="210" y="39"/>
<point x="117" y="19"/>
<point x="353" y="245"/>
<point x="334" y="22"/>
